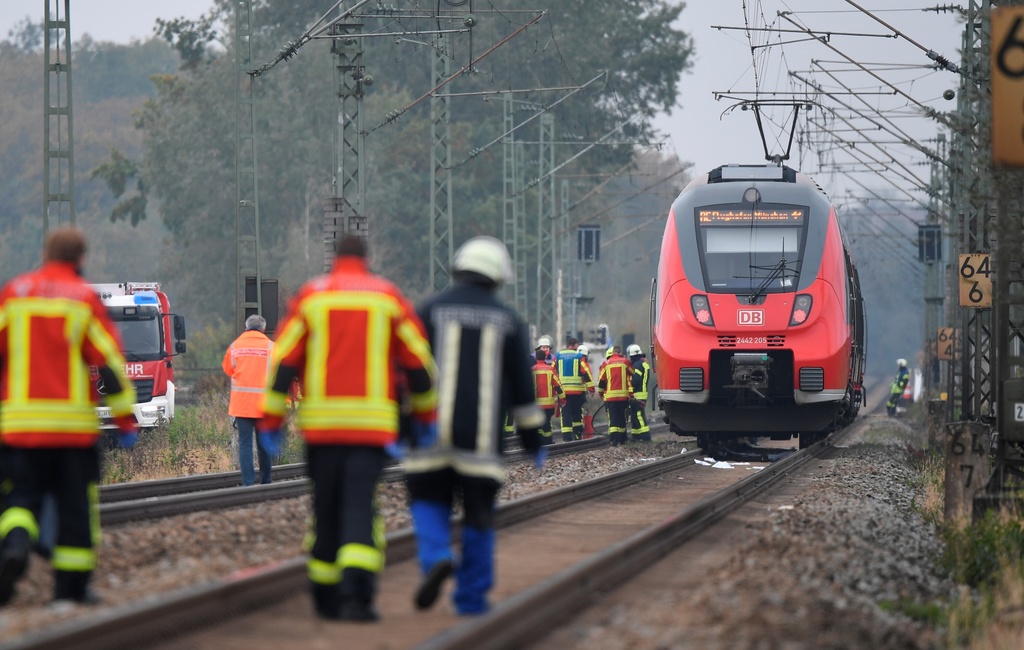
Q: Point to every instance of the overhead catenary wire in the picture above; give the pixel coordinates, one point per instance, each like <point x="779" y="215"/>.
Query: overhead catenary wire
<point x="931" y="54"/>
<point x="394" y="115"/>
<point x="929" y="111"/>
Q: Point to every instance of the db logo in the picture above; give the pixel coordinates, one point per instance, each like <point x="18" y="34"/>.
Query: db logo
<point x="750" y="317"/>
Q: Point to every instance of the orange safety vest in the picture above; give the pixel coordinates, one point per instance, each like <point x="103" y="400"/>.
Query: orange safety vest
<point x="53" y="327"/>
<point x="348" y="333"/>
<point x="546" y="386"/>
<point x="615" y="383"/>
<point x="247" y="362"/>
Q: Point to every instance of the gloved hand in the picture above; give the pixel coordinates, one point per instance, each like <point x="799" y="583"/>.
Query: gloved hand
<point x="540" y="456"/>
<point x="271" y="440"/>
<point x="424" y="433"/>
<point x="129" y="431"/>
<point x="395" y="450"/>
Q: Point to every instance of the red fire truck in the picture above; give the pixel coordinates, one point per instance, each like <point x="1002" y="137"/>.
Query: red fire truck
<point x="150" y="335"/>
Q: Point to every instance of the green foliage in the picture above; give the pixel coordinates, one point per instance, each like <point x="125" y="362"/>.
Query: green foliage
<point x="189" y="38"/>
<point x="977" y="554"/>
<point x="933" y="614"/>
<point x="25" y="36"/>
<point x="197" y="441"/>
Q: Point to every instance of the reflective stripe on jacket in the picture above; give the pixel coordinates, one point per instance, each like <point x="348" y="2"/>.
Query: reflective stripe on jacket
<point x="615" y="382"/>
<point x="545" y="384"/>
<point x="641" y="376"/>
<point x="247" y="362"/>
<point x="53" y="327"/>
<point x="347" y="333"/>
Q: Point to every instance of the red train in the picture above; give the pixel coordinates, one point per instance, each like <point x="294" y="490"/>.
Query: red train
<point x="757" y="315"/>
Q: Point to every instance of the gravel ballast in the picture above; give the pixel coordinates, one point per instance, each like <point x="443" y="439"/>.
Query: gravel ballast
<point x="832" y="570"/>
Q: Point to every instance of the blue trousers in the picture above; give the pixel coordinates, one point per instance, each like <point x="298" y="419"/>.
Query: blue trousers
<point x="246" y="434"/>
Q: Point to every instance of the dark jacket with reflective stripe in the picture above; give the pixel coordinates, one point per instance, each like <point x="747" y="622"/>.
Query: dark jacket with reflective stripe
<point x="481" y="348"/>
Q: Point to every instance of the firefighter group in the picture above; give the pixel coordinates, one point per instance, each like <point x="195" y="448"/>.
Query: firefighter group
<point x="378" y="377"/>
<point x="563" y="380"/>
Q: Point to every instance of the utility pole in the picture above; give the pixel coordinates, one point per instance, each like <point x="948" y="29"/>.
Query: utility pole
<point x="248" y="280"/>
<point x="547" y="260"/>
<point x="512" y="207"/>
<point x="343" y="214"/>
<point x="1008" y="258"/>
<point x="58" y="125"/>
<point x="442" y="246"/>
<point x="932" y="249"/>
<point x="972" y="201"/>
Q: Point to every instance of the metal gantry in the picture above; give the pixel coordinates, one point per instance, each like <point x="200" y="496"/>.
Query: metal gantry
<point x="247" y="204"/>
<point x="547" y="259"/>
<point x="343" y="213"/>
<point x="442" y="245"/>
<point x="512" y="206"/>
<point x="972" y="205"/>
<point x="58" y="122"/>
<point x="1008" y="324"/>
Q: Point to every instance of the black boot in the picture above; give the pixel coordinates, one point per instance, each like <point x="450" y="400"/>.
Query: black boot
<point x="326" y="601"/>
<point x="430" y="588"/>
<point x="357" y="591"/>
<point x="14" y="551"/>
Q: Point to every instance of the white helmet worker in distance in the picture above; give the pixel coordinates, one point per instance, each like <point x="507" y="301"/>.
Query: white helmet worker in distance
<point x="584" y="350"/>
<point x="486" y="257"/>
<point x="544" y="341"/>
<point x="634" y="351"/>
<point x="902" y="363"/>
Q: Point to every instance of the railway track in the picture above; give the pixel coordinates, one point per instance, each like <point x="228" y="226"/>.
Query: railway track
<point x="128" y="502"/>
<point x="607" y="563"/>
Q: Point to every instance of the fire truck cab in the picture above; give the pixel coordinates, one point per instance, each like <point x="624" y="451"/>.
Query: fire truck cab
<point x="150" y="336"/>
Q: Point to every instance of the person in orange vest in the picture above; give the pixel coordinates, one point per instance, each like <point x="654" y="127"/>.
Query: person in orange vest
<point x="246" y="362"/>
<point x="348" y="336"/>
<point x="53" y="328"/>
<point x="615" y="386"/>
<point x="548" y="392"/>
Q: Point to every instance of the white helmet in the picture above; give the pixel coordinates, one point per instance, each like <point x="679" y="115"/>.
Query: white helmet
<point x="583" y="349"/>
<point x="902" y="363"/>
<point x="544" y="340"/>
<point x="634" y="350"/>
<point x="486" y="256"/>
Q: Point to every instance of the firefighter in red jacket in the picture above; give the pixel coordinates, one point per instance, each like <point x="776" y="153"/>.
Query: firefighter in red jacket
<point x="347" y="336"/>
<point x="616" y="387"/>
<point x="53" y="327"/>
<point x="548" y="392"/>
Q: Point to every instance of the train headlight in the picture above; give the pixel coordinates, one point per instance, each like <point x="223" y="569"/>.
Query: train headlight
<point x="701" y="310"/>
<point x="801" y="309"/>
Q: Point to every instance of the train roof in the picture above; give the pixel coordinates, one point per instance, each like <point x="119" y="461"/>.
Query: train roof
<point x="768" y="172"/>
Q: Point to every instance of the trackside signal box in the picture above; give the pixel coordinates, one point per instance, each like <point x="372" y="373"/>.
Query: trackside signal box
<point x="1012" y="410"/>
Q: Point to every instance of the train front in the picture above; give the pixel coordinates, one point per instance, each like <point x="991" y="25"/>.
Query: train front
<point x="750" y="323"/>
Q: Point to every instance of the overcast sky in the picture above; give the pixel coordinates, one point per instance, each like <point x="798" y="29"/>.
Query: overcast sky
<point x="696" y="130"/>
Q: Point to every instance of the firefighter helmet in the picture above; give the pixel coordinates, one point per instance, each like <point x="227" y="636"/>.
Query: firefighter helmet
<point x="609" y="352"/>
<point x="485" y="256"/>
<point x="584" y="350"/>
<point x="544" y="341"/>
<point x="902" y="363"/>
<point x="634" y="350"/>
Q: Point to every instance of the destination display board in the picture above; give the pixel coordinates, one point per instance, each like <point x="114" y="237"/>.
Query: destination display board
<point x="745" y="215"/>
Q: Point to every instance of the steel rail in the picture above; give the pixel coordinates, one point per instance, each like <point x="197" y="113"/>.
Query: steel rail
<point x="529" y="615"/>
<point x="165" y="616"/>
<point x="170" y="504"/>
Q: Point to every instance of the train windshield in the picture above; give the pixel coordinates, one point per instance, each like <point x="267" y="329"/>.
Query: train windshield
<point x="751" y="249"/>
<point x="140" y="332"/>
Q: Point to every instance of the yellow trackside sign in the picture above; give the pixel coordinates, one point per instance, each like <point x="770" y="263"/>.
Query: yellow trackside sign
<point x="1007" y="54"/>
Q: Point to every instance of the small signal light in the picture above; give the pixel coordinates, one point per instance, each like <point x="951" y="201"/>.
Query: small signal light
<point x="801" y="309"/>
<point x="702" y="310"/>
